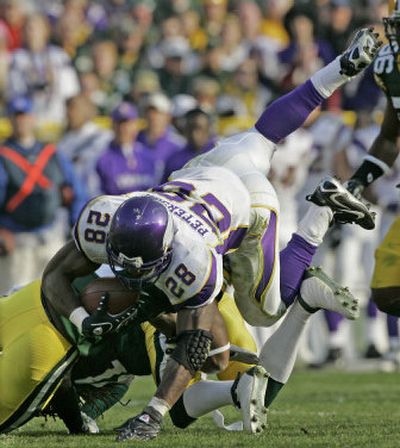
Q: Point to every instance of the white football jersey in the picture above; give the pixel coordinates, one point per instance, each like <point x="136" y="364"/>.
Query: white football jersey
<point x="206" y="226"/>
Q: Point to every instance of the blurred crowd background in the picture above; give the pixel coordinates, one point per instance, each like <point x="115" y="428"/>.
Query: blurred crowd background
<point x="111" y="96"/>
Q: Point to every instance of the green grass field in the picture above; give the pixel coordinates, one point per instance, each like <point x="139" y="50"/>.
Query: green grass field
<point x="316" y="409"/>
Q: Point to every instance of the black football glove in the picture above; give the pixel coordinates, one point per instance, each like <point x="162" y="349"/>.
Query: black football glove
<point x="144" y="426"/>
<point x="101" y="322"/>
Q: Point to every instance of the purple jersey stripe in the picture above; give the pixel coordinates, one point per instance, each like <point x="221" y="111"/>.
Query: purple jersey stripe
<point x="233" y="240"/>
<point x="268" y="242"/>
<point x="289" y="112"/>
<point x="207" y="290"/>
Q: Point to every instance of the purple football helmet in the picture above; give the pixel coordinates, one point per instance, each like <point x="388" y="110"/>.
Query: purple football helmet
<point x="139" y="241"/>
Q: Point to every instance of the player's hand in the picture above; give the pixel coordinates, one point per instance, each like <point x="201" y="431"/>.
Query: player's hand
<point x="101" y="322"/>
<point x="144" y="426"/>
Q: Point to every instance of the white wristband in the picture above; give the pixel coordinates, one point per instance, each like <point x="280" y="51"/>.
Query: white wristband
<point x="78" y="316"/>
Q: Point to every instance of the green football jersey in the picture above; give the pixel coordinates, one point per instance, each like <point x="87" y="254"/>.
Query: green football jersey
<point x="387" y="75"/>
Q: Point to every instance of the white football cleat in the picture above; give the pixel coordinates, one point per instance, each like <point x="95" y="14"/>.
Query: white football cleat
<point x="248" y="393"/>
<point x="319" y="291"/>
<point x="360" y="53"/>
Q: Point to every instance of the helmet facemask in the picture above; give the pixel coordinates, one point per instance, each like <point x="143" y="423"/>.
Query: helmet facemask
<point x="392" y="28"/>
<point x="138" y="252"/>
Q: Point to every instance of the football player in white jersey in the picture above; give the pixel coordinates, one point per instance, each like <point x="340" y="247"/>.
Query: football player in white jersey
<point x="170" y="244"/>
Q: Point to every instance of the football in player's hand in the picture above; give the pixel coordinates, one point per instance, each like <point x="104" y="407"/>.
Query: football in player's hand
<point x="120" y="298"/>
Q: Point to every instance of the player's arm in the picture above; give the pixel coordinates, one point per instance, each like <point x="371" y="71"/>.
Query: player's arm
<point x="381" y="155"/>
<point x="68" y="264"/>
<point x="193" y="346"/>
<point x="194" y="339"/>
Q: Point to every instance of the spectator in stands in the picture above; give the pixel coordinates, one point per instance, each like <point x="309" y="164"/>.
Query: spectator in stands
<point x="181" y="105"/>
<point x="43" y="72"/>
<point x="126" y="164"/>
<point x="5" y="58"/>
<point x="273" y="23"/>
<point x="233" y="49"/>
<point x="158" y="137"/>
<point x="130" y="40"/>
<point x="173" y="74"/>
<point x="206" y="90"/>
<point x="215" y="12"/>
<point x="35" y="182"/>
<point x="83" y="141"/>
<point x="246" y="87"/>
<point x="193" y="31"/>
<point x="12" y="16"/>
<point x="144" y="83"/>
<point x="341" y="25"/>
<point x="114" y="83"/>
<point x="200" y="138"/>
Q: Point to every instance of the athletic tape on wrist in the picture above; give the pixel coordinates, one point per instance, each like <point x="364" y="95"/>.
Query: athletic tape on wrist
<point x="77" y="316"/>
<point x="218" y="350"/>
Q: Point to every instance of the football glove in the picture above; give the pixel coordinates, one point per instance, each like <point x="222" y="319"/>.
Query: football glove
<point x="144" y="426"/>
<point x="101" y="322"/>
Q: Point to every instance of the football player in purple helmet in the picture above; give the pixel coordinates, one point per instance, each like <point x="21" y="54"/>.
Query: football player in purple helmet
<point x="139" y="242"/>
<point x="220" y="205"/>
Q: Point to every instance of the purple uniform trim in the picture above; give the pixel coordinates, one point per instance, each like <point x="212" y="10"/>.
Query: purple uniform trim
<point x="372" y="309"/>
<point x="208" y="289"/>
<point x="289" y="112"/>
<point x="268" y="242"/>
<point x="233" y="240"/>
<point x="295" y="259"/>
<point x="333" y="320"/>
<point x="392" y="326"/>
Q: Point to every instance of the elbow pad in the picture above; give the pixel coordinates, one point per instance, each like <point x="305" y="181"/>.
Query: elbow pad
<point x="192" y="349"/>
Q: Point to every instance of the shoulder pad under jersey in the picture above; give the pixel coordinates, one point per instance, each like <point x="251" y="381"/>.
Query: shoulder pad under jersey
<point x="91" y="228"/>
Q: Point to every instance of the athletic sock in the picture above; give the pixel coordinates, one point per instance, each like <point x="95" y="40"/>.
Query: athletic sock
<point x="278" y="354"/>
<point x="328" y="78"/>
<point x="294" y="260"/>
<point x="205" y="396"/>
<point x="314" y="224"/>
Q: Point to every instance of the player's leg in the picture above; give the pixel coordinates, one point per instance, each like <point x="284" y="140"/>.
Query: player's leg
<point x="289" y="112"/>
<point x="204" y="396"/>
<point x="372" y="331"/>
<point x="386" y="279"/>
<point x="35" y="357"/>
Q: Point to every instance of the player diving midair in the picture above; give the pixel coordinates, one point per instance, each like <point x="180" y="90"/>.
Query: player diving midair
<point x="172" y="241"/>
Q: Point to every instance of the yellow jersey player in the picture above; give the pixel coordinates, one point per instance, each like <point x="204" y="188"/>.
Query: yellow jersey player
<point x="381" y="157"/>
<point x="39" y="351"/>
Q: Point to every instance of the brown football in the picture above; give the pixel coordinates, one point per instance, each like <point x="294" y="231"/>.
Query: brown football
<point x="121" y="298"/>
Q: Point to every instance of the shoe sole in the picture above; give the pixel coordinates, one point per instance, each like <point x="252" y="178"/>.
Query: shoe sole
<point x="255" y="414"/>
<point x="348" y="305"/>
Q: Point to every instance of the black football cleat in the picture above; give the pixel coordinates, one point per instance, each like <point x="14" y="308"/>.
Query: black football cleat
<point x="346" y="207"/>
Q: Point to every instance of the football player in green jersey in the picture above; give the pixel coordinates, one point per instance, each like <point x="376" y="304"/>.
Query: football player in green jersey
<point x="381" y="157"/>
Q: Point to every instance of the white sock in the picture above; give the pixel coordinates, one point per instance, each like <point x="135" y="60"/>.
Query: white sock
<point x="314" y="224"/>
<point x="206" y="396"/>
<point x="328" y="78"/>
<point x="372" y="330"/>
<point x="394" y="343"/>
<point x="280" y="351"/>
<point x="336" y="339"/>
